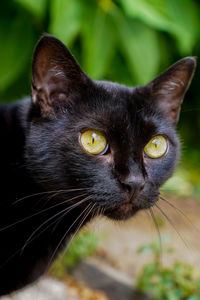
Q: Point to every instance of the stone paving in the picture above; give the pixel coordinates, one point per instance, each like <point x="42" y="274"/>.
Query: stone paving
<point x="45" y="289"/>
<point x="115" y="284"/>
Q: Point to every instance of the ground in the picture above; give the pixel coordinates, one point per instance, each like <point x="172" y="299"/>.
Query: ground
<point x="122" y="239"/>
<point x="118" y="248"/>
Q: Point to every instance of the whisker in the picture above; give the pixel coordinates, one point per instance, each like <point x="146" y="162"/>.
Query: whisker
<point x="95" y="213"/>
<point x="171" y="223"/>
<point x="48" y="192"/>
<point x="180" y="211"/>
<point x="66" y="210"/>
<point x="19" y="250"/>
<point x="32" y="195"/>
<point x="89" y="209"/>
<point x="146" y="211"/>
<point x="158" y="231"/>
<point x="102" y="210"/>
<point x="64" y="236"/>
<point x="57" y="222"/>
<point x="40" y="212"/>
<point x="60" y="192"/>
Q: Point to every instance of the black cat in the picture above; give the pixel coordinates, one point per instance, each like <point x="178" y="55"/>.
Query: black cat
<point x="77" y="149"/>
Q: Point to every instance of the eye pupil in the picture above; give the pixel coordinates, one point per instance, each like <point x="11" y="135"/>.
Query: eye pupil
<point x="156" y="147"/>
<point x="93" y="139"/>
<point x="93" y="142"/>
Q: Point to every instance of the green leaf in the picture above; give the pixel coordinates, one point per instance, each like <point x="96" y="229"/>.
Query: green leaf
<point x="174" y="294"/>
<point x="36" y="7"/>
<point x="99" y="43"/>
<point x="179" y="18"/>
<point x="65" y="19"/>
<point x="179" y="183"/>
<point x="83" y="245"/>
<point x="195" y="297"/>
<point x="185" y="18"/>
<point x="16" y="49"/>
<point x="140" y="47"/>
<point x="145" y="249"/>
<point x="152" y="13"/>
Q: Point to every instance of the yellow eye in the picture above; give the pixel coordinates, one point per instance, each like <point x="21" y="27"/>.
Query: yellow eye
<point x="156" y="147"/>
<point x="93" y="141"/>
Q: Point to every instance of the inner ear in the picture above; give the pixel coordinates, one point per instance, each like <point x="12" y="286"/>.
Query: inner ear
<point x="167" y="90"/>
<point x="56" y="76"/>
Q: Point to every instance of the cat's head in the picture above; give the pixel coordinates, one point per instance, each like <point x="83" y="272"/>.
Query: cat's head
<point x="116" y="143"/>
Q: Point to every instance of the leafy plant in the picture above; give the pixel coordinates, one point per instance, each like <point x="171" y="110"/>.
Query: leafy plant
<point x="163" y="283"/>
<point x="129" y="41"/>
<point x="83" y="245"/>
<point x="101" y="32"/>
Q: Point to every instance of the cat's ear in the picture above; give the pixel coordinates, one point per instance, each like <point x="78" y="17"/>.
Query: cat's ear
<point x="56" y="76"/>
<point x="167" y="90"/>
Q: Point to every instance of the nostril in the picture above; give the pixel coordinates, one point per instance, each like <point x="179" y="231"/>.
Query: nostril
<point x="132" y="186"/>
<point x="126" y="187"/>
<point x="141" y="186"/>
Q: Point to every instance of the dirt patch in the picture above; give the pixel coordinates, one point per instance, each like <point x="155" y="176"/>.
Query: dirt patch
<point x="79" y="290"/>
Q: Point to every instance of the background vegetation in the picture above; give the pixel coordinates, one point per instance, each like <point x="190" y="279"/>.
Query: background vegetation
<point x="179" y="282"/>
<point x="129" y="41"/>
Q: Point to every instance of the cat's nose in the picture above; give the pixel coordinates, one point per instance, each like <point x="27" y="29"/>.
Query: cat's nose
<point x="132" y="183"/>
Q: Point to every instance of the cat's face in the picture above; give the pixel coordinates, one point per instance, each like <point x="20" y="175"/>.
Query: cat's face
<point x="118" y="144"/>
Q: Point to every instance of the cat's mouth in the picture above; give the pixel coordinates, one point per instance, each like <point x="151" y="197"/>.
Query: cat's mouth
<point x="127" y="209"/>
<point x="122" y="212"/>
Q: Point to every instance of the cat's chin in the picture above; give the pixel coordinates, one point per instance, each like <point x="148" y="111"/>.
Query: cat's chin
<point x="123" y="212"/>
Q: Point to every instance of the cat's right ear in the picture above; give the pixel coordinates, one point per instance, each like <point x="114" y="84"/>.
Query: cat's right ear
<point x="167" y="91"/>
<point x="56" y="76"/>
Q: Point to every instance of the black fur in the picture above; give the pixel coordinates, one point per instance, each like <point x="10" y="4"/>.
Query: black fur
<point x="40" y="152"/>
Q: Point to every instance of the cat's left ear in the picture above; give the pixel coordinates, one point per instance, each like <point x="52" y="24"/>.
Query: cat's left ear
<point x="167" y="90"/>
<point x="56" y="76"/>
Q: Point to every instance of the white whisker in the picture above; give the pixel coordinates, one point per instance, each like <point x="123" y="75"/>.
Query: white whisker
<point x="66" y="210"/>
<point x="88" y="207"/>
<point x="171" y="223"/>
<point x="49" y="192"/>
<point x="40" y="212"/>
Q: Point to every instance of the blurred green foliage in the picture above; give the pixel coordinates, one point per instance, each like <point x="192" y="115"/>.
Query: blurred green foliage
<point x="184" y="182"/>
<point x="129" y="41"/>
<point x="83" y="245"/>
<point x="163" y="283"/>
